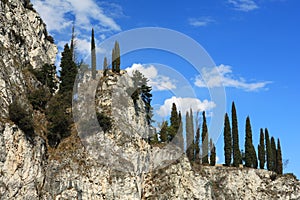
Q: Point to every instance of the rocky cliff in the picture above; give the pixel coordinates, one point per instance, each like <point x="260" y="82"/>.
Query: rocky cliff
<point x="91" y="163"/>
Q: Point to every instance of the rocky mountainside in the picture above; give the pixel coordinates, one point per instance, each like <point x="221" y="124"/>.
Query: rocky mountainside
<point x="93" y="164"/>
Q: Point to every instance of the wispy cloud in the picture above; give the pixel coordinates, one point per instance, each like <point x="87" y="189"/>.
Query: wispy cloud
<point x="198" y="22"/>
<point x="185" y="104"/>
<point x="157" y="81"/>
<point x="243" y="5"/>
<point x="223" y="76"/>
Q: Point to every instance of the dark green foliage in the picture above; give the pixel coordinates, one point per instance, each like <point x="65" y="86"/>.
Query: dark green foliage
<point x="68" y="73"/>
<point x="248" y="145"/>
<point x="268" y="150"/>
<point x="104" y="121"/>
<point x="105" y="66"/>
<point x="212" y="153"/>
<point x="227" y="141"/>
<point x="197" y="146"/>
<point x="154" y="139"/>
<point x="93" y="52"/>
<point x="164" y="132"/>
<point x="47" y="76"/>
<point x="204" y="137"/>
<point x="116" y="59"/>
<point x="174" y="120"/>
<point x="39" y="98"/>
<point x="254" y="158"/>
<point x="180" y="133"/>
<point x="273" y="155"/>
<point x="113" y="61"/>
<point x="279" y="169"/>
<point x="189" y="136"/>
<point x="59" y="119"/>
<point x="22" y="117"/>
<point x="261" y="150"/>
<point x="237" y="159"/>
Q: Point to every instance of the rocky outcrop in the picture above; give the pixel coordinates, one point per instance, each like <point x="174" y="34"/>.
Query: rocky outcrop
<point x="91" y="163"/>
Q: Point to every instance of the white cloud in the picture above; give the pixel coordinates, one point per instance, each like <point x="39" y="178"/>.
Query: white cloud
<point x="157" y="81"/>
<point x="184" y="105"/>
<point x="222" y="76"/>
<point x="56" y="13"/>
<point x="200" y="21"/>
<point x="243" y="5"/>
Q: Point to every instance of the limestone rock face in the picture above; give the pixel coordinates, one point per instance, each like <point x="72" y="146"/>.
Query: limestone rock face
<point x="91" y="163"/>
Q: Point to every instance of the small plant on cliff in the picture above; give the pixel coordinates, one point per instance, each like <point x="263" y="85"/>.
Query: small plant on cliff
<point x="104" y="121"/>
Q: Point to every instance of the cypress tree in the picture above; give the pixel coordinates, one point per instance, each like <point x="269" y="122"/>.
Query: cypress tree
<point x="72" y="47"/>
<point x="279" y="159"/>
<point x="254" y="158"/>
<point x="113" y="61"/>
<point x="268" y="150"/>
<point x="180" y="133"/>
<point x="117" y="57"/>
<point x="197" y="148"/>
<point x="227" y="141"/>
<point x="261" y="150"/>
<point x="105" y="66"/>
<point x="68" y="73"/>
<point x="93" y="53"/>
<point x="164" y="132"/>
<point x="174" y="119"/>
<point x="237" y="159"/>
<point x="273" y="155"/>
<point x="212" y="153"/>
<point x="189" y="136"/>
<point x="248" y="145"/>
<point x="204" y="140"/>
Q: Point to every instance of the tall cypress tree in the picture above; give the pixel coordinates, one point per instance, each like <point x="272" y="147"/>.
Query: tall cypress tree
<point x="254" y="158"/>
<point x="197" y="148"/>
<point x="68" y="73"/>
<point x="180" y="133"/>
<point x="261" y="150"/>
<point x="113" y="60"/>
<point x="164" y="132"/>
<point x="174" y="119"/>
<point x="189" y="136"/>
<point x="268" y="150"/>
<point x="279" y="159"/>
<point x="248" y="144"/>
<point x="273" y="155"/>
<point x="117" y="56"/>
<point x="93" y="52"/>
<point x="212" y="153"/>
<point x="237" y="159"/>
<point x="227" y="141"/>
<point x="105" y="66"/>
<point x="204" y="140"/>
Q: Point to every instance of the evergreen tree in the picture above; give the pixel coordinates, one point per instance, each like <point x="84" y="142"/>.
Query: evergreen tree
<point x="180" y="133"/>
<point x="174" y="119"/>
<point x="212" y="153"/>
<point x="268" y="150"/>
<point x="47" y="76"/>
<point x="105" y="66"/>
<point x="204" y="140"/>
<point x="254" y="158"/>
<point x="67" y="74"/>
<point x="249" y="157"/>
<point x="164" y="132"/>
<point x="117" y="57"/>
<point x="273" y="155"/>
<point x="73" y="44"/>
<point x="113" y="61"/>
<point x="189" y="136"/>
<point x="237" y="159"/>
<point x="197" y="148"/>
<point x="227" y="141"/>
<point x="261" y="150"/>
<point x="93" y="53"/>
<point x="279" y="159"/>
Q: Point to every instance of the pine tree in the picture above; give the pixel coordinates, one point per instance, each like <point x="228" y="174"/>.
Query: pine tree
<point x="212" y="153"/>
<point x="73" y="44"/>
<point x="261" y="150"/>
<point x="47" y="76"/>
<point x="93" y="53"/>
<point x="174" y="119"/>
<point x="268" y="150"/>
<point x="249" y="157"/>
<point x="105" y="66"/>
<point x="273" y="155"/>
<point x="67" y="74"/>
<point x="237" y="159"/>
<point x="279" y="159"/>
<point x="204" y="137"/>
<point x="164" y="132"/>
<point x="117" y="57"/>
<point x="227" y="141"/>
<point x="197" y="148"/>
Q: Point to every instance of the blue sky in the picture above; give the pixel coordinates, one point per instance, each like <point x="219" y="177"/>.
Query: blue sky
<point x="254" y="44"/>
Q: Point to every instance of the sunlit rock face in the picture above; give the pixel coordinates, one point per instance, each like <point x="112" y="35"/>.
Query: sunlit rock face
<point x="91" y="164"/>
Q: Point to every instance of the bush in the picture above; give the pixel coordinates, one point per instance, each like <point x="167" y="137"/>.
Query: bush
<point x="39" y="98"/>
<point x="22" y="117"/>
<point x="104" y="121"/>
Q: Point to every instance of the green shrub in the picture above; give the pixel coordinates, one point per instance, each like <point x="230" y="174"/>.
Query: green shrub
<point x="39" y="98"/>
<point x="22" y="117"/>
<point x="104" y="121"/>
